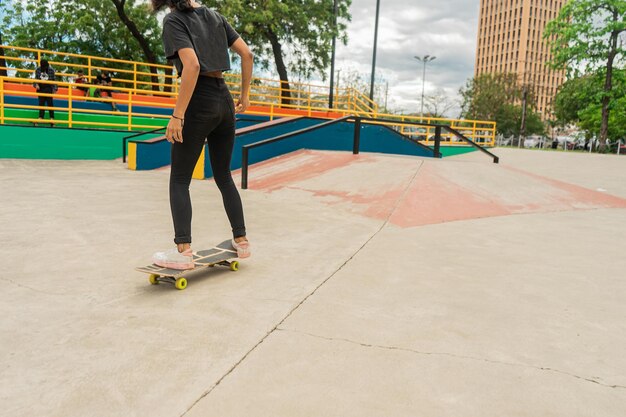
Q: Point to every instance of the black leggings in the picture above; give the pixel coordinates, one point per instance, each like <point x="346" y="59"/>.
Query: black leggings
<point x="46" y="101"/>
<point x="211" y="116"/>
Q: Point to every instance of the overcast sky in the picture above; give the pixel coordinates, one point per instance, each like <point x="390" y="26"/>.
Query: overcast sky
<point x="446" y="29"/>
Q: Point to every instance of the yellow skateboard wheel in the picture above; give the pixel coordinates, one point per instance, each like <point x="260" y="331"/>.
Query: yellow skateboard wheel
<point x="153" y="279"/>
<point x="234" y="266"/>
<point x="181" y="283"/>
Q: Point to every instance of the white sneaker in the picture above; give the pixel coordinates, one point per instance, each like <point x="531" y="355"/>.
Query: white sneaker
<point x="243" y="248"/>
<point x="173" y="259"/>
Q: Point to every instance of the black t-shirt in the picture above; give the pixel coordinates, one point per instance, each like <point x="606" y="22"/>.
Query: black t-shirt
<point x="48" y="75"/>
<point x="205" y="31"/>
<point x="103" y="78"/>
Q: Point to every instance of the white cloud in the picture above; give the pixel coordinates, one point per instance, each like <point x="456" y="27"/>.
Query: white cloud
<point x="444" y="28"/>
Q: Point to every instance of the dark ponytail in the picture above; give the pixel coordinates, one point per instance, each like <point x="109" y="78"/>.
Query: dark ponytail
<point x="182" y="5"/>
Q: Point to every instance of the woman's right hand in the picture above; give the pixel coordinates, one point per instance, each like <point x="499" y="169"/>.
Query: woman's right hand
<point x="242" y="104"/>
<point x="174" y="131"/>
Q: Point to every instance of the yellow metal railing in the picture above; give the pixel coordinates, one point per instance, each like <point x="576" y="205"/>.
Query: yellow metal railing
<point x="479" y="131"/>
<point x="126" y="119"/>
<point x="21" y="62"/>
<point x="1" y="100"/>
<point x="129" y="75"/>
<point x="139" y="81"/>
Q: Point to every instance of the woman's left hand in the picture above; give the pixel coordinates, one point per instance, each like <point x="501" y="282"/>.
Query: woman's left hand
<point x="174" y="131"/>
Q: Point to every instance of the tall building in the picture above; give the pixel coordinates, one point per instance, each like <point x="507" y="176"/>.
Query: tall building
<point x="510" y="39"/>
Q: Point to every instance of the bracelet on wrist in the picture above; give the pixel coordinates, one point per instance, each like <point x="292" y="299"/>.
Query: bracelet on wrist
<point x="177" y="118"/>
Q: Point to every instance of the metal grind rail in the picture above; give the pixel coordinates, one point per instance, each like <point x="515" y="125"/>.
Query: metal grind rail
<point x="126" y="138"/>
<point x="245" y="150"/>
<point x="240" y="131"/>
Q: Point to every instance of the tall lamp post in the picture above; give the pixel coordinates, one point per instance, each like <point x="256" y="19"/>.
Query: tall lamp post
<point x="374" y="56"/>
<point x="425" y="59"/>
<point x="332" y="59"/>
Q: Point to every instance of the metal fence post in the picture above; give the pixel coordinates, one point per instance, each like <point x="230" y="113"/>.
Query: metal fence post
<point x="135" y="76"/>
<point x="474" y="131"/>
<point x="437" y="142"/>
<point x="70" y="109"/>
<point x="357" y="136"/>
<point x="244" y="168"/>
<point x="2" y="100"/>
<point x="130" y="110"/>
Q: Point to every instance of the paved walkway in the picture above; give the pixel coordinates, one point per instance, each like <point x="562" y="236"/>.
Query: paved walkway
<point x="379" y="286"/>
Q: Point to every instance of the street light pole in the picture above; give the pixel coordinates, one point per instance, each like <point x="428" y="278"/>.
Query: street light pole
<point x="522" y="130"/>
<point x="374" y="56"/>
<point x="425" y="59"/>
<point x="332" y="60"/>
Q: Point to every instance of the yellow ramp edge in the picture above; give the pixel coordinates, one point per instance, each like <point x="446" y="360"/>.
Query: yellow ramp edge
<point x="198" y="171"/>
<point x="132" y="156"/>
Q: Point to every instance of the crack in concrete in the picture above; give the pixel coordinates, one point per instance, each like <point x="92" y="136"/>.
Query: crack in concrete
<point x="595" y="380"/>
<point x="31" y="288"/>
<point x="397" y="203"/>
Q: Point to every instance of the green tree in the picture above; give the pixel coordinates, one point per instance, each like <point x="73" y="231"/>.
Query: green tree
<point x="34" y="24"/>
<point x="483" y="96"/>
<point x="586" y="34"/>
<point x="37" y="24"/>
<point x="497" y="97"/>
<point x="3" y="62"/>
<point x="303" y="28"/>
<point x="509" y="121"/>
<point x="143" y="27"/>
<point x="573" y="96"/>
<point x="590" y="120"/>
<point x="579" y="100"/>
<point x="87" y="27"/>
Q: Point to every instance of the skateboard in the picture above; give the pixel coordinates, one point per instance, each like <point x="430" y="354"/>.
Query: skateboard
<point x="221" y="254"/>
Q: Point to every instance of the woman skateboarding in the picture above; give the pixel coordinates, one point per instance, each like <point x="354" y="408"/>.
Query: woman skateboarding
<point x="197" y="39"/>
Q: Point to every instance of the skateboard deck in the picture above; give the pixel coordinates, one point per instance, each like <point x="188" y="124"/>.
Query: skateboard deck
<point x="222" y="254"/>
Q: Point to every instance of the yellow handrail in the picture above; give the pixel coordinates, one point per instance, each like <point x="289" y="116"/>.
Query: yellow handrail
<point x="1" y="100"/>
<point x="140" y="84"/>
<point x="299" y="89"/>
<point x="482" y="132"/>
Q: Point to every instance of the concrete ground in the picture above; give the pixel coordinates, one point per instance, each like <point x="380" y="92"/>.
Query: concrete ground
<point x="379" y="286"/>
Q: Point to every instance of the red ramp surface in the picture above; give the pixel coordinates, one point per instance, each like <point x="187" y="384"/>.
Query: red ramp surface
<point x="418" y="191"/>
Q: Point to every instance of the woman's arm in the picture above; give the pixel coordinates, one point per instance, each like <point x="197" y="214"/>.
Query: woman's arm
<point x="189" y="78"/>
<point x="241" y="48"/>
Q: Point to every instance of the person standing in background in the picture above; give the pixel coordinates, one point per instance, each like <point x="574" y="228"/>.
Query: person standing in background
<point x="45" y="73"/>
